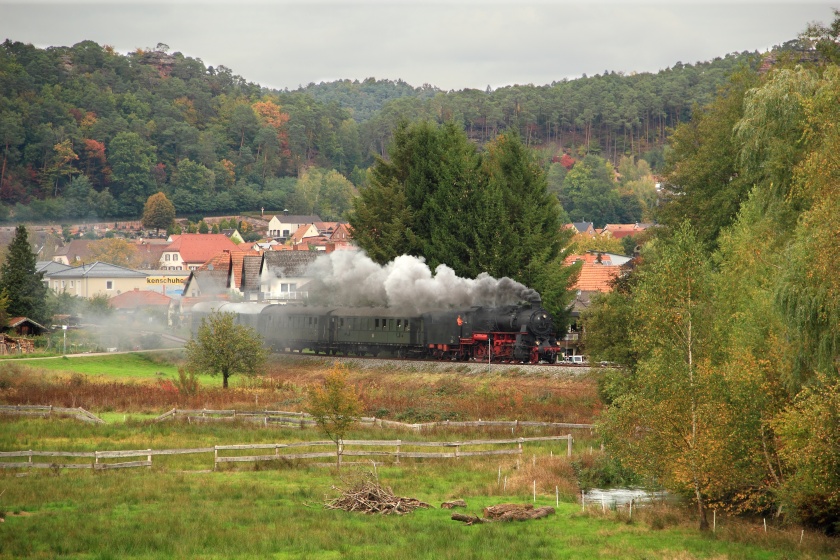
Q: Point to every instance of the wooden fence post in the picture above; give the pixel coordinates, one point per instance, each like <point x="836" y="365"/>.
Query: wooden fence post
<point x="569" y="446"/>
<point x="520" y="446"/>
<point x="399" y="442"/>
<point x="215" y="456"/>
<point x="149" y="457"/>
<point x="340" y="451"/>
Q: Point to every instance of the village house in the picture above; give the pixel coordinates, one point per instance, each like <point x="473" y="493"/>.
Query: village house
<point x="149" y="252"/>
<point x="48" y="268"/>
<point x="75" y="252"/>
<point x="139" y="302"/>
<point x="285" y="225"/>
<point x="283" y="275"/>
<point x="191" y="250"/>
<point x="89" y="280"/>
<point x="341" y="234"/>
<point x="587" y="228"/>
<point x="224" y="275"/>
<point x="305" y="231"/>
<point x="597" y="273"/>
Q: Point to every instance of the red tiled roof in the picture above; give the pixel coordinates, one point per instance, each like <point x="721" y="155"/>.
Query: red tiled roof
<point x="200" y="247"/>
<point x="139" y="298"/>
<point x="618" y="231"/>
<point x="342" y="233"/>
<point x="229" y="261"/>
<point x="596" y="277"/>
<point x="300" y="234"/>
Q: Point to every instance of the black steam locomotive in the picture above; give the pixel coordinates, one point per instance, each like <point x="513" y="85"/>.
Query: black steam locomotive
<point x="516" y="333"/>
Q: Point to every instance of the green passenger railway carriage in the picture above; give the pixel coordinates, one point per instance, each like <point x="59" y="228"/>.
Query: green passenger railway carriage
<point x="516" y="333"/>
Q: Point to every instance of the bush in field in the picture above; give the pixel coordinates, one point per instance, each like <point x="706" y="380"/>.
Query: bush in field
<point x="187" y="382"/>
<point x="335" y="405"/>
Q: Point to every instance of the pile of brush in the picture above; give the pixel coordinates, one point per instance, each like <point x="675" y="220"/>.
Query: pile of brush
<point x="368" y="496"/>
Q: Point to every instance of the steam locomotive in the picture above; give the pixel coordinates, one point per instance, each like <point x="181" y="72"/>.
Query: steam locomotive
<point x="520" y="333"/>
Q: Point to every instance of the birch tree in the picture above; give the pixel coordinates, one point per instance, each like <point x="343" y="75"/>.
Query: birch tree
<point x="666" y="426"/>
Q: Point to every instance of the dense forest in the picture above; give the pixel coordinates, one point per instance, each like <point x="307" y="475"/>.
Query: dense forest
<point x="730" y="321"/>
<point x="90" y="133"/>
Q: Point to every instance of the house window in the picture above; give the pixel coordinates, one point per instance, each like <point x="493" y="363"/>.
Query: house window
<point x="167" y="256"/>
<point x="109" y="284"/>
<point x="72" y="283"/>
<point x="63" y="284"/>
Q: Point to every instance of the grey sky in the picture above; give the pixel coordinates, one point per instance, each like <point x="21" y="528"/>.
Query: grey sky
<point x="452" y="45"/>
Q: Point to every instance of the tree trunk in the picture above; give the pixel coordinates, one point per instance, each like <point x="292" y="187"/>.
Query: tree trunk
<point x="225" y="376"/>
<point x="3" y="172"/>
<point x="701" y="509"/>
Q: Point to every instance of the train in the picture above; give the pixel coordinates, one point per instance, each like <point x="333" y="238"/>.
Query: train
<point x="521" y="333"/>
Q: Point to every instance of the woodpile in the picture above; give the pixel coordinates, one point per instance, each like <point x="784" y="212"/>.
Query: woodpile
<point x="505" y="512"/>
<point x="368" y="496"/>
<point x="453" y="504"/>
<point x="9" y="345"/>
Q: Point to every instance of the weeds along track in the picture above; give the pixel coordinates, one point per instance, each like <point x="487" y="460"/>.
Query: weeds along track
<point x="443" y="366"/>
<point x="400" y="390"/>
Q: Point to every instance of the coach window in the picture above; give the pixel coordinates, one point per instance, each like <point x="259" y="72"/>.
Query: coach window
<point x="376" y="323"/>
<point x="399" y="324"/>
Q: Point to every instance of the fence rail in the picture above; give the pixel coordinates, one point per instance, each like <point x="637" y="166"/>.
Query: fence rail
<point x="41" y="410"/>
<point x="302" y="419"/>
<point x="290" y="419"/>
<point x="397" y="451"/>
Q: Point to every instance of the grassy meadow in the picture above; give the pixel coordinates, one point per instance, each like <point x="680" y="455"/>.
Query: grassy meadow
<point x="180" y="508"/>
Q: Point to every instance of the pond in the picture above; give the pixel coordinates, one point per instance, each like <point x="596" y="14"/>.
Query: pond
<point x="620" y="497"/>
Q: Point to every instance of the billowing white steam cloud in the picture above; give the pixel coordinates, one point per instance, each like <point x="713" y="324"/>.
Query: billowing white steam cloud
<point x="350" y="278"/>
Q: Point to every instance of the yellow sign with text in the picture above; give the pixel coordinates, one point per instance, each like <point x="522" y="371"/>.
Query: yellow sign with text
<point x="166" y="279"/>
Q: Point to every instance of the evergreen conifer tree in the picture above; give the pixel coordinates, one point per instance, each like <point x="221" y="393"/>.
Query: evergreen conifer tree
<point x="24" y="288"/>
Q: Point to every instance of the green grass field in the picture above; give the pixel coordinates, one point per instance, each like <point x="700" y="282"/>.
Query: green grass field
<point x="278" y="513"/>
<point x="113" y="366"/>
<point x="180" y="508"/>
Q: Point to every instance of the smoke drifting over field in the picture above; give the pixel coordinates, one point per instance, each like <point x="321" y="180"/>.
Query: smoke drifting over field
<point x="349" y="278"/>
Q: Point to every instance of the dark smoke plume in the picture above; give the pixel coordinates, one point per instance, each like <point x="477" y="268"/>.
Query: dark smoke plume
<point x="352" y="279"/>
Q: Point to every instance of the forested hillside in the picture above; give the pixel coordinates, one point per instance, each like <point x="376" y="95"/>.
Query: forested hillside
<point x="88" y="132"/>
<point x="610" y="114"/>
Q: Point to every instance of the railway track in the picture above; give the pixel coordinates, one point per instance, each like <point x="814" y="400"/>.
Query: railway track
<point x="413" y="364"/>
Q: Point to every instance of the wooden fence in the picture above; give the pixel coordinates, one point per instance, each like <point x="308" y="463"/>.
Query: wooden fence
<point x="304" y="420"/>
<point x="40" y="410"/>
<point x="399" y="449"/>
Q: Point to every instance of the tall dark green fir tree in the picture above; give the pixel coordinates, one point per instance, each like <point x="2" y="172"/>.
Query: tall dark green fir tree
<point x="24" y="288"/>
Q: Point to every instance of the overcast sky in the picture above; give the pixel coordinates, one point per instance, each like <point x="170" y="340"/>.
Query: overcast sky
<point x="452" y="45"/>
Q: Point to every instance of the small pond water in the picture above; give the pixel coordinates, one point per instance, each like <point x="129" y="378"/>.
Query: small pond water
<point x="620" y="497"/>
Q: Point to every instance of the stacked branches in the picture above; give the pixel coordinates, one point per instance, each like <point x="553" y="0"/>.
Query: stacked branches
<point x="368" y="496"/>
